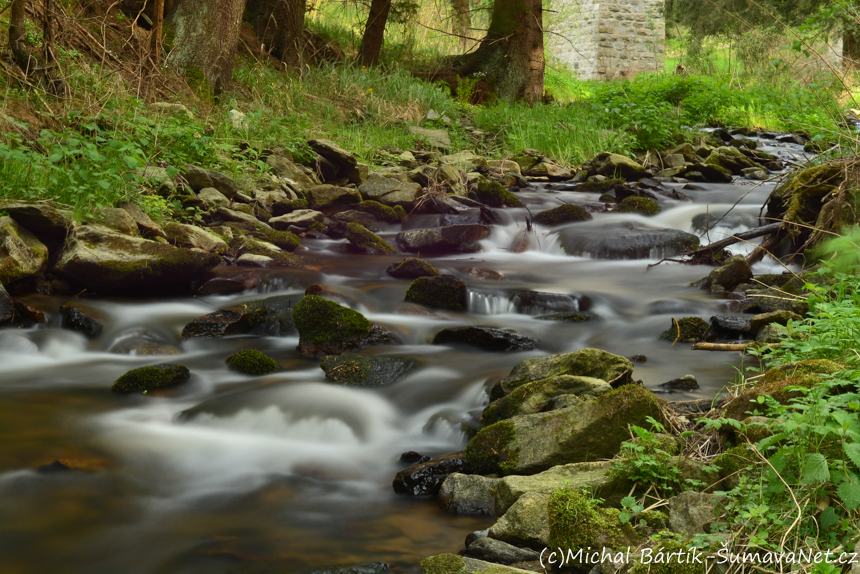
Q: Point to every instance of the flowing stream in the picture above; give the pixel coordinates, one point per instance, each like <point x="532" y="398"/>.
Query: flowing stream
<point x="290" y="473"/>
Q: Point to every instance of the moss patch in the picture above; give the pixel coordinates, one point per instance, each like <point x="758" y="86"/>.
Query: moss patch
<point x="443" y="292"/>
<point x="567" y="213"/>
<point x="383" y="212"/>
<point x="252" y="362"/>
<point x="145" y="379"/>
<point x="495" y="194"/>
<point x="489" y="452"/>
<point x="641" y="205"/>
<point x="320" y="320"/>
<point x="671" y="549"/>
<point x="367" y="241"/>
<point x="443" y="564"/>
<point x="412" y="268"/>
<point x="284" y="239"/>
<point x="576" y="522"/>
<point x="686" y="330"/>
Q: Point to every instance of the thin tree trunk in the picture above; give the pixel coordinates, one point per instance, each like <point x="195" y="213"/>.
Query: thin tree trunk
<point x="155" y="40"/>
<point x="206" y="35"/>
<point x="462" y="22"/>
<point x="18" y="35"/>
<point x="374" y="33"/>
<point x="511" y="56"/>
<point x="850" y="51"/>
<point x="279" y="25"/>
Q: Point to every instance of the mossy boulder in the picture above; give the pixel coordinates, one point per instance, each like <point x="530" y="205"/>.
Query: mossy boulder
<point x="442" y="292"/>
<point x="593" y="476"/>
<point x="194" y="237"/>
<point x="800" y="198"/>
<point x="21" y="253"/>
<point x="48" y="224"/>
<point x="763" y="320"/>
<point x="371" y="371"/>
<point x="640" y="205"/>
<point x="535" y="396"/>
<point x="614" y="165"/>
<point x="144" y="379"/>
<point x="583" y="363"/>
<point x="599" y="186"/>
<point x="730" y="159"/>
<point x="412" y="268"/>
<point x="575" y="522"/>
<point x="686" y="330"/>
<point x="448" y="239"/>
<point x="242" y="245"/>
<point x="495" y="194"/>
<point x="525" y="523"/>
<point x="330" y="197"/>
<point x="383" y="212"/>
<point x="732" y="273"/>
<point x="591" y="430"/>
<point x="106" y="261"/>
<point x="252" y="362"/>
<point x="286" y="240"/>
<point x="326" y="328"/>
<point x="270" y="316"/>
<point x="367" y="241"/>
<point x="777" y="383"/>
<point x="567" y="213"/>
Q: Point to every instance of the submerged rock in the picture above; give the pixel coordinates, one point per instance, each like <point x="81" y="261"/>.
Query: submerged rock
<point x="729" y="275"/>
<point x="442" y="292"/>
<point x="626" y="241"/>
<point x="371" y="371"/>
<point x="383" y="212"/>
<point x="146" y="379"/>
<point x="427" y="477"/>
<point x="106" y="261"/>
<point x="412" y="268"/>
<point x="144" y="346"/>
<point x="252" y="362"/>
<point x="449" y="239"/>
<point x="641" y="205"/>
<point x="81" y="320"/>
<point x="271" y="316"/>
<point x="568" y="213"/>
<point x="485" y="338"/>
<point x="326" y="328"/>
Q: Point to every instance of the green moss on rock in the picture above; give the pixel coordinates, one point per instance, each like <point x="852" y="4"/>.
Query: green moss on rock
<point x="146" y="379"/>
<point x="489" y="451"/>
<point x="412" y="268"/>
<point x="673" y="565"/>
<point x="324" y="324"/>
<point x="495" y="194"/>
<point x="383" y="212"/>
<point x="367" y="241"/>
<point x="686" y="330"/>
<point x="443" y="564"/>
<point x="442" y="292"/>
<point x="567" y="213"/>
<point x="641" y="205"/>
<point x="252" y="362"/>
<point x="576" y="522"/>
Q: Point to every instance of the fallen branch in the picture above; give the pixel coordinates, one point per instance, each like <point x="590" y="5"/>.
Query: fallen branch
<point x="723" y="243"/>
<point x="730" y="346"/>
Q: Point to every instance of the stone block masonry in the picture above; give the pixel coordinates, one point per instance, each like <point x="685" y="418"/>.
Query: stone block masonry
<point x="604" y="40"/>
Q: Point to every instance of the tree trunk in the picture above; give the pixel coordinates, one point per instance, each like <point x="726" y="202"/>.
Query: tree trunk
<point x="279" y="25"/>
<point x="850" y="51"/>
<point x="462" y="22"/>
<point x="18" y="36"/>
<point x="155" y="39"/>
<point x="205" y="38"/>
<point x="510" y="57"/>
<point x="374" y="33"/>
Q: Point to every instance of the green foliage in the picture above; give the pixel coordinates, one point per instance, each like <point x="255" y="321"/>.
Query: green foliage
<point x="646" y="461"/>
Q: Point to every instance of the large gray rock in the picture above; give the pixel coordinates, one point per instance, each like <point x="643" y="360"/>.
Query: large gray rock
<point x="106" y="261"/>
<point x="294" y="175"/>
<point x="692" y="513"/>
<point x="344" y="160"/>
<point x="499" y="552"/>
<point x="199" y="178"/>
<point x="331" y="196"/>
<point x="592" y="430"/>
<point x="46" y="223"/>
<point x="526" y="522"/>
<point x="536" y="396"/>
<point x="299" y="218"/>
<point x="193" y="237"/>
<point x="118" y="220"/>
<point x="614" y="165"/>
<point x="268" y="197"/>
<point x="21" y="254"/>
<point x="593" y="476"/>
<point x="390" y="191"/>
<point x="467" y="161"/>
<point x="145" y="225"/>
<point x="468" y="494"/>
<point x="436" y="139"/>
<point x="626" y="241"/>
<point x="270" y="316"/>
<point x="213" y="198"/>
<point x="450" y="177"/>
<point x="448" y="239"/>
<point x="594" y="363"/>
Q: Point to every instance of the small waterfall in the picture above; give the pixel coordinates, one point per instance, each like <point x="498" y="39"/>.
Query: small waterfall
<point x="525" y="303"/>
<point x="490" y="304"/>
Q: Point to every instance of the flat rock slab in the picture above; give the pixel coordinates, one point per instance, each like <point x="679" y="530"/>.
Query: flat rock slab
<point x="369" y="371"/>
<point x="626" y="241"/>
<point x="485" y="338"/>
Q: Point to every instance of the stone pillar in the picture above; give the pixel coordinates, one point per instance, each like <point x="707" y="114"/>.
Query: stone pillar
<point x="607" y="39"/>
